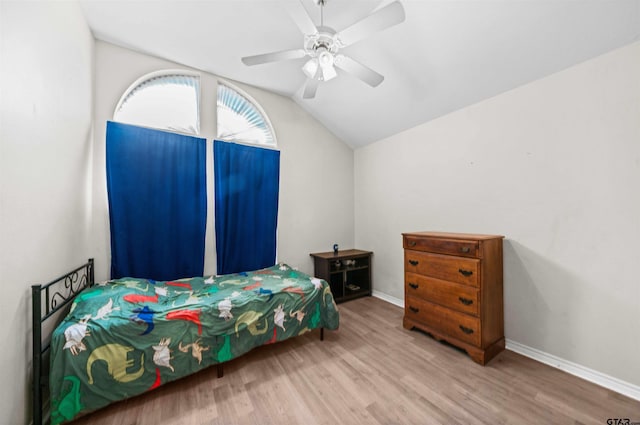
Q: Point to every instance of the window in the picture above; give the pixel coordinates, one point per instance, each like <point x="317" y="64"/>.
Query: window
<point x="167" y="100"/>
<point x="242" y="120"/>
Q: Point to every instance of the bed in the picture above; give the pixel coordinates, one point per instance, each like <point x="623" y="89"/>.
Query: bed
<point x="128" y="336"/>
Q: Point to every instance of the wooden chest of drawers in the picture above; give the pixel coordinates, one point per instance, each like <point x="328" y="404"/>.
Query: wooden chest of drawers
<point x="453" y="290"/>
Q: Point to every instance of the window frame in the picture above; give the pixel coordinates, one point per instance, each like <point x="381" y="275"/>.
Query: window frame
<point x="253" y="103"/>
<point x="164" y="73"/>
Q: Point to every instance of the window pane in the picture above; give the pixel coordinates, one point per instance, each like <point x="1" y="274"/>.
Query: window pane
<point x="240" y="120"/>
<point x="167" y="102"/>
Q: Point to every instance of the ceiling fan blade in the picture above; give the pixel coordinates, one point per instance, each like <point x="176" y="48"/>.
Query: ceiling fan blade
<point x="310" y="88"/>
<point x="358" y="70"/>
<point x="273" y="57"/>
<point x="388" y="16"/>
<point x="300" y="16"/>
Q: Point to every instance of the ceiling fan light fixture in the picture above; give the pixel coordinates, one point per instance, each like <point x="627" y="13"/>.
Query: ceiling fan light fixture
<point x="310" y="68"/>
<point x="328" y="72"/>
<point x="325" y="58"/>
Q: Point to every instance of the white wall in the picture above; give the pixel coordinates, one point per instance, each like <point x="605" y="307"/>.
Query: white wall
<point x="554" y="166"/>
<point x="316" y="169"/>
<point x="45" y="150"/>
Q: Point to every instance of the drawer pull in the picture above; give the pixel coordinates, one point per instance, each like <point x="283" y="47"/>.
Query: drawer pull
<point x="413" y="262"/>
<point x="465" y="301"/>
<point x="466" y="330"/>
<point x="466" y="273"/>
<point x="412" y="243"/>
<point x="413" y="285"/>
<point x="465" y="249"/>
<point x="414" y="309"/>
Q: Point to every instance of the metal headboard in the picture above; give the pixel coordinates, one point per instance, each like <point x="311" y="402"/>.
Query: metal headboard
<point x="47" y="300"/>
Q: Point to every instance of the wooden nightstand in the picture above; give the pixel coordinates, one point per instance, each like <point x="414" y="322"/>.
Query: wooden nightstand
<point x="348" y="272"/>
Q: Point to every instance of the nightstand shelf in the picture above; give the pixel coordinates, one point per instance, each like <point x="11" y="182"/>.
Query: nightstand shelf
<point x="348" y="272"/>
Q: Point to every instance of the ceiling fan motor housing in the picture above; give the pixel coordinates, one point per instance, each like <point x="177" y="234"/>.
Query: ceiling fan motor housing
<point x="325" y="39"/>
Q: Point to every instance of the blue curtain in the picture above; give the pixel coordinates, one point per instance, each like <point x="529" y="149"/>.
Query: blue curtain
<point x="246" y="204"/>
<point x="156" y="183"/>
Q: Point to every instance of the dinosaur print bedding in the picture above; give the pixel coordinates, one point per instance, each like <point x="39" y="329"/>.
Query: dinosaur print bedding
<point x="124" y="337"/>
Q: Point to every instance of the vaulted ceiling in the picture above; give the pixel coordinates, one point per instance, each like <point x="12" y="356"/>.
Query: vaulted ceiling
<point x="446" y="55"/>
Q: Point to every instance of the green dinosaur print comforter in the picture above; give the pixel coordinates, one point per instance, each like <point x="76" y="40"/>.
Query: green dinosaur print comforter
<point x="128" y="336"/>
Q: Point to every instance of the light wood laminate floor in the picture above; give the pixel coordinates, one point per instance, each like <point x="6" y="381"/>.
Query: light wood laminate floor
<point x="372" y="371"/>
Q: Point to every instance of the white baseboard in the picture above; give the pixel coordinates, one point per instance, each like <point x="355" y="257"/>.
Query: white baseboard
<point x="598" y="378"/>
<point x="388" y="298"/>
<point x="606" y="381"/>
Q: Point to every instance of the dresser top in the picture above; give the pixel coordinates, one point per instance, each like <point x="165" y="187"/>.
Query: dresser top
<point x="444" y="235"/>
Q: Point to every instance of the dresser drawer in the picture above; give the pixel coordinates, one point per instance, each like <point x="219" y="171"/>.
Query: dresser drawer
<point x="445" y="267"/>
<point x="442" y="246"/>
<point x="458" y="297"/>
<point x="458" y="325"/>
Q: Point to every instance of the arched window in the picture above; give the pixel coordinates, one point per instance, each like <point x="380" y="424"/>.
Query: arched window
<point x="242" y="120"/>
<point x="167" y="100"/>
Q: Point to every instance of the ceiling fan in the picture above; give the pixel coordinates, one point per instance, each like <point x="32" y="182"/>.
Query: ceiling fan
<point x="322" y="45"/>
